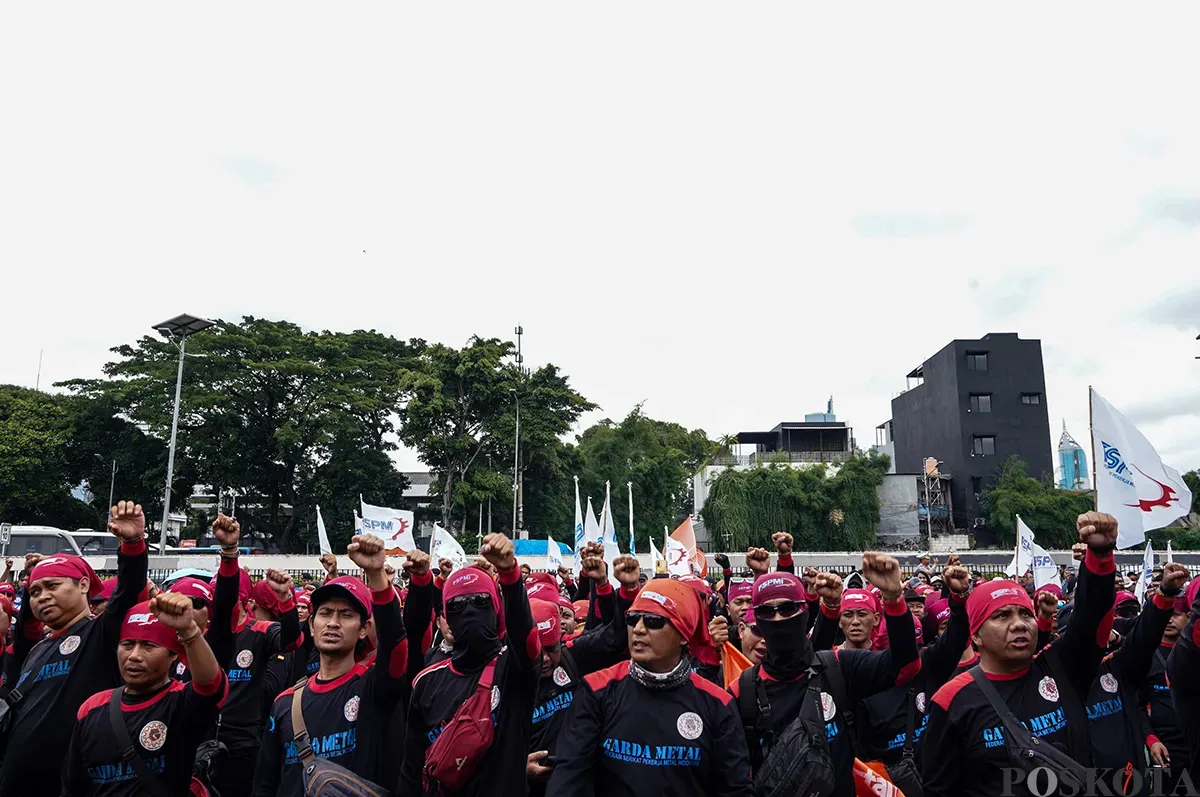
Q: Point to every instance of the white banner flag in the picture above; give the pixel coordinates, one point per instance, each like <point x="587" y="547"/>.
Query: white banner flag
<point x="395" y="526"/>
<point x="1031" y="556"/>
<point x="609" y="535"/>
<point x="357" y="524"/>
<point x="1170" y="556"/>
<point x="322" y="536"/>
<point x="1147" y="573"/>
<point x="579" y="534"/>
<point x="444" y="545"/>
<point x="553" y="555"/>
<point x="655" y="556"/>
<point x="678" y="562"/>
<point x="1132" y="483"/>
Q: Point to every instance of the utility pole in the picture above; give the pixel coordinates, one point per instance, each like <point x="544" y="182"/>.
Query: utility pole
<point x="518" y="504"/>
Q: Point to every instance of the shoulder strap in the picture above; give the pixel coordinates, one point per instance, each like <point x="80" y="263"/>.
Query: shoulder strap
<point x="150" y="782"/>
<point x="746" y="703"/>
<point x="911" y="725"/>
<point x="993" y="697"/>
<point x="832" y="667"/>
<point x="489" y="673"/>
<point x="299" y="729"/>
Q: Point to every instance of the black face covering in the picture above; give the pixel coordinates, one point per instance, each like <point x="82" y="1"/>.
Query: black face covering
<point x="789" y="651"/>
<point x="475" y="637"/>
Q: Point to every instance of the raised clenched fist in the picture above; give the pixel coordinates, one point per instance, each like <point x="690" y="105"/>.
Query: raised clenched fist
<point x="564" y="573"/>
<point x="174" y="611"/>
<point x="485" y="565"/>
<point x="31" y="559"/>
<point x="722" y="560"/>
<point x="280" y="583"/>
<point x="227" y="531"/>
<point x="1097" y="530"/>
<point x="883" y="572"/>
<point x="829" y="586"/>
<point x="1078" y="551"/>
<point x="758" y="560"/>
<point x="1047" y="605"/>
<point x="417" y="563"/>
<point x="127" y="521"/>
<point x="445" y="566"/>
<point x="366" y="551"/>
<point x="782" y="542"/>
<point x="627" y="570"/>
<point x="594" y="567"/>
<point x="718" y="629"/>
<point x="499" y="550"/>
<point x="1174" y="577"/>
<point x="957" y="578"/>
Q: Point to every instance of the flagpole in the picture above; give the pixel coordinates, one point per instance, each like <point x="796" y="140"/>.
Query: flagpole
<point x="629" y="486"/>
<point x="1095" y="464"/>
<point x="1019" y="572"/>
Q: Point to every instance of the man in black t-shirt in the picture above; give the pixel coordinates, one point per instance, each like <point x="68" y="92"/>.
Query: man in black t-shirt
<point x="165" y="720"/>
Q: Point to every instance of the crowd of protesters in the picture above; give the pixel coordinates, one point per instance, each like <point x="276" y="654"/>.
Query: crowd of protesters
<point x="489" y="679"/>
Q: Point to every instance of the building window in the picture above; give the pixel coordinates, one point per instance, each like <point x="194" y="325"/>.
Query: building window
<point x="981" y="402"/>
<point x="983" y="446"/>
<point x="977" y="361"/>
<point x="1031" y="398"/>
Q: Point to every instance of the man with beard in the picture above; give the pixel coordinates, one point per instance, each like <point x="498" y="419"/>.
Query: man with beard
<point x="479" y="621"/>
<point x="842" y="677"/>
<point x="565" y="663"/>
<point x="55" y="675"/>
<point x="346" y="705"/>
<point x="965" y="741"/>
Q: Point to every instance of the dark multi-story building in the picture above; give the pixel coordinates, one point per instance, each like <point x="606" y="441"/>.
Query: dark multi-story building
<point x="971" y="406"/>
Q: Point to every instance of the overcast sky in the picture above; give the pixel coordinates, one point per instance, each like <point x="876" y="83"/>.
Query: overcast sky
<point x="727" y="211"/>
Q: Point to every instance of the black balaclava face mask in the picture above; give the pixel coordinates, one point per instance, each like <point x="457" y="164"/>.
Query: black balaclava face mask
<point x="789" y="651"/>
<point x="475" y="637"/>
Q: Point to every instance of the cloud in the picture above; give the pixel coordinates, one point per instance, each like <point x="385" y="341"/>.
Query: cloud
<point x="1161" y="408"/>
<point x="1183" y="210"/>
<point x="904" y="225"/>
<point x="1177" y="309"/>
<point x="253" y="171"/>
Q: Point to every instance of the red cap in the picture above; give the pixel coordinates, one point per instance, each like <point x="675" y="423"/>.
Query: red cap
<point x="243" y="585"/>
<point x="140" y="623"/>
<point x="770" y="586"/>
<point x="545" y="617"/>
<point x="63" y="565"/>
<point x="303" y="599"/>
<point x="193" y="588"/>
<point x="994" y="595"/>
<point x="541" y="578"/>
<point x="8" y="589"/>
<point x="939" y="610"/>
<point x="474" y="581"/>
<point x="740" y="588"/>
<point x="264" y="597"/>
<point x="855" y="599"/>
<point x="696" y="583"/>
<point x="683" y="606"/>
<point x="1124" y="596"/>
<point x="344" y="587"/>
<point x="581" y="609"/>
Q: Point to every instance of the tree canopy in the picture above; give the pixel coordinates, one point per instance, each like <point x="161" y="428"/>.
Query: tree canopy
<point x="1048" y="511"/>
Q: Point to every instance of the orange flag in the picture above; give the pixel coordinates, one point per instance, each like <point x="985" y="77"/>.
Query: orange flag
<point x="734" y="663"/>
<point x="870" y="781"/>
<point x="685" y="535"/>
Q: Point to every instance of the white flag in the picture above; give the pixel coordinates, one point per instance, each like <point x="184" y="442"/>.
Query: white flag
<point x="395" y="526"/>
<point x="1132" y="483"/>
<point x="591" y="525"/>
<point x="1031" y="556"/>
<point x="357" y="524"/>
<point x="678" y="562"/>
<point x="322" y="536"/>
<point x="443" y="545"/>
<point x="553" y="555"/>
<point x="609" y="535"/>
<point x="579" y="535"/>
<point x="1170" y="556"/>
<point x="654" y="555"/>
<point x="1147" y="572"/>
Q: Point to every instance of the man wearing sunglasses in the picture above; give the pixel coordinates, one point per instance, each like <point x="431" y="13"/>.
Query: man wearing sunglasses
<point x="790" y="666"/>
<point x="650" y="726"/>
<point x="200" y="594"/>
<point x="486" y="628"/>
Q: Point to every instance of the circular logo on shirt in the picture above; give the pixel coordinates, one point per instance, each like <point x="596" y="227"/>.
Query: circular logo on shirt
<point x="69" y="645"/>
<point x="921" y="702"/>
<point x="690" y="725"/>
<point x="245" y="659"/>
<point x="828" y="707"/>
<point x="153" y="735"/>
<point x="1048" y="689"/>
<point x="560" y="676"/>
<point x="495" y="697"/>
<point x="1109" y="683"/>
<point x="350" y="710"/>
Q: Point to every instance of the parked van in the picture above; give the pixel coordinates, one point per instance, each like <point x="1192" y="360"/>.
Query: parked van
<point x="41" y="539"/>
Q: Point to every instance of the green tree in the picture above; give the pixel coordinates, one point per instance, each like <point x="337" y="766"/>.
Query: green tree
<point x="267" y="409"/>
<point x="1049" y="512"/>
<point x="36" y="471"/>
<point x="1192" y="480"/>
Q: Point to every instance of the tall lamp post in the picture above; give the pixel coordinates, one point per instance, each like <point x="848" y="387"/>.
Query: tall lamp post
<point x="176" y="330"/>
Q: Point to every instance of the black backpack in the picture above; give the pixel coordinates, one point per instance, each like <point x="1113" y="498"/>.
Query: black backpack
<point x="797" y="763"/>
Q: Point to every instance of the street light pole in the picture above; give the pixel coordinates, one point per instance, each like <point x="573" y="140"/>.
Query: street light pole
<point x="516" y="459"/>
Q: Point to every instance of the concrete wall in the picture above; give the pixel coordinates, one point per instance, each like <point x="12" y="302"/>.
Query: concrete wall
<point x="898" y="520"/>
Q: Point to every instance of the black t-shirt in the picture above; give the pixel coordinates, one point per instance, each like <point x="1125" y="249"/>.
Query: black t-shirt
<point x="57" y="675"/>
<point x="1156" y="693"/>
<point x="165" y="727"/>
<point x="624" y="740"/>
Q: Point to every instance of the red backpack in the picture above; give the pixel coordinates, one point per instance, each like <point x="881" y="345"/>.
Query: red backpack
<point x="455" y="755"/>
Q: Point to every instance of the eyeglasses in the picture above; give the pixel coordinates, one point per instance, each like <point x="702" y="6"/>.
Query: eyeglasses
<point x="782" y="610"/>
<point x="653" y="622"/>
<point x="199" y="603"/>
<point x="458" y="604"/>
<point x="753" y="629"/>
